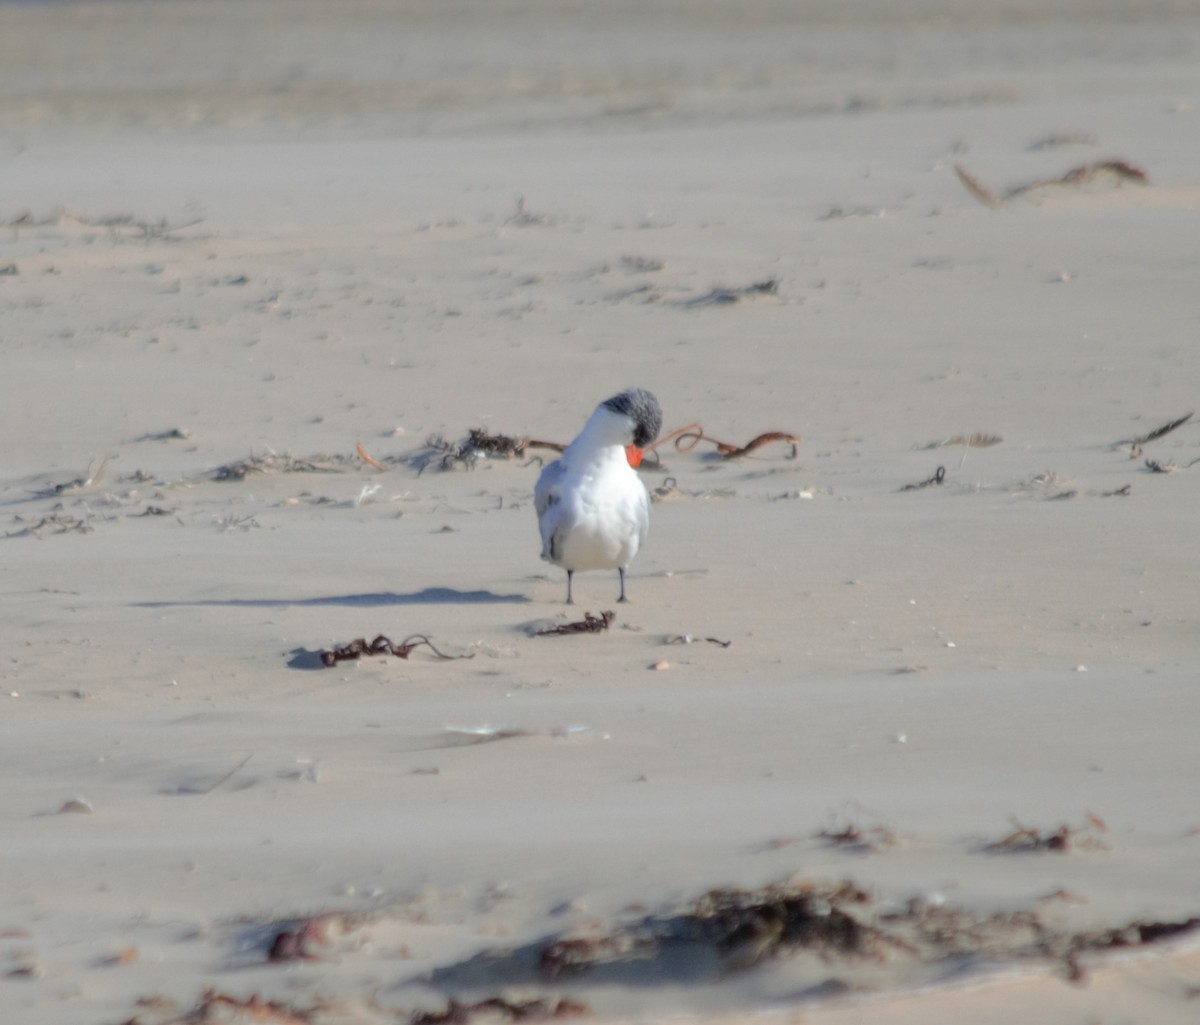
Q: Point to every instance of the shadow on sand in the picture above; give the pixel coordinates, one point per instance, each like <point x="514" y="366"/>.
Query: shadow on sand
<point x="427" y="596"/>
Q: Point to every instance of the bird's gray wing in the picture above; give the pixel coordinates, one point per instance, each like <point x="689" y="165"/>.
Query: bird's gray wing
<point x="545" y="499"/>
<point x="644" y="518"/>
<point x="545" y="492"/>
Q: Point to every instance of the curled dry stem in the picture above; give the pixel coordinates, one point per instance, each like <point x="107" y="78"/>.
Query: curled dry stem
<point x="687" y="438"/>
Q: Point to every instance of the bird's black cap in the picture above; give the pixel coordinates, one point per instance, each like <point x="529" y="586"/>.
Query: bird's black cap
<point x="643" y="409"/>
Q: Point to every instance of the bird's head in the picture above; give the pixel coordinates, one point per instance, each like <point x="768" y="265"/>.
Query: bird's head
<point x="643" y="416"/>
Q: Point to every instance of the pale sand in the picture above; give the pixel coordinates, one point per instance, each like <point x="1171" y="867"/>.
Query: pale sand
<point x="347" y="261"/>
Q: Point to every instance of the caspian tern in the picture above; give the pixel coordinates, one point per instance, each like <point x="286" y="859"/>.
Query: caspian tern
<point x="593" y="510"/>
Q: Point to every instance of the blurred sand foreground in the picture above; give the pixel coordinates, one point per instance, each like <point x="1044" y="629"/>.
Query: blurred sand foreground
<point x="947" y="743"/>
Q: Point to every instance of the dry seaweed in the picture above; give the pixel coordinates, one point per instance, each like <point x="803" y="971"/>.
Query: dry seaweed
<point x="173" y="434"/>
<point x="641" y="264"/>
<point x="1135" y="444"/>
<point x="976" y="440"/>
<point x="1062" y="139"/>
<point x="1155" y="466"/>
<point x="55" y="523"/>
<point x="295" y="943"/>
<point x="278" y="463"/>
<point x="831" y="924"/>
<point x="1024" y="839"/>
<point x="1158" y="432"/>
<point x="215" y="1006"/>
<point x="939" y="477"/>
<point x="463" y="736"/>
<point x="743" y="927"/>
<point x="689" y="639"/>
<point x="477" y="444"/>
<point x="721" y="296"/>
<point x="588" y="625"/>
<point x="381" y="645"/>
<point x="687" y="438"/>
<point x="540" y="1009"/>
<point x="859" y="840"/>
<point x="95" y="474"/>
<point x="1121" y="169"/>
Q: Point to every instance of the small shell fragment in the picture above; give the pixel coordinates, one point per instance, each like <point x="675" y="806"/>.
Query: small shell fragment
<point x="80" y="805"/>
<point x="663" y="664"/>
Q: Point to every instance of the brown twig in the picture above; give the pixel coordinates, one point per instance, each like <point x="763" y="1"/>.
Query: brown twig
<point x="381" y="645"/>
<point x="1075" y="176"/>
<point x="554" y="446"/>
<point x="977" y="189"/>
<point x="368" y="459"/>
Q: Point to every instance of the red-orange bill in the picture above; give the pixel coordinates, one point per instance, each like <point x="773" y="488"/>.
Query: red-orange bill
<point x="634" y="455"/>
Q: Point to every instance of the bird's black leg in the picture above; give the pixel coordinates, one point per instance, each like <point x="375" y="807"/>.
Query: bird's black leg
<point x="621" y="570"/>
<point x="570" y="600"/>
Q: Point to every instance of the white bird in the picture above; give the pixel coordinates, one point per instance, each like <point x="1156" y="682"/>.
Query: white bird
<point x="593" y="509"/>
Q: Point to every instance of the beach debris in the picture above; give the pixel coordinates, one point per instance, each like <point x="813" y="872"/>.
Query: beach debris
<point x="1024" y="839"/>
<point x="24" y="971"/>
<point x="368" y="459"/>
<point x="687" y="438"/>
<point x="1120" y="169"/>
<point x="743" y="927"/>
<point x="476" y="445"/>
<point x="1062" y="139"/>
<point x="461" y="736"/>
<point x="95" y="473"/>
<point x="215" y="1006"/>
<point x="689" y="639"/>
<point x="1155" y="434"/>
<point x="722" y="296"/>
<point x="1135" y="444"/>
<point x="55" y="523"/>
<point x="1155" y="466"/>
<point x="77" y="805"/>
<point x="588" y="625"/>
<point x="641" y="264"/>
<point x="858" y="839"/>
<point x="838" y="921"/>
<point x="522" y="218"/>
<point x="976" y="440"/>
<point x="279" y="463"/>
<point x="202" y="788"/>
<point x="538" y="1009"/>
<point x="382" y="645"/>
<point x="479" y="444"/>
<point x="172" y="434"/>
<point x="939" y="477"/>
<point x="128" y="955"/>
<point x="294" y="943"/>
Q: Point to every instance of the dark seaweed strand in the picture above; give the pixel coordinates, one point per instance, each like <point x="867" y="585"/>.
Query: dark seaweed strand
<point x="643" y="409"/>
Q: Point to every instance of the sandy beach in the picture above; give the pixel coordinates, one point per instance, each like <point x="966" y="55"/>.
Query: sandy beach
<point x="900" y="725"/>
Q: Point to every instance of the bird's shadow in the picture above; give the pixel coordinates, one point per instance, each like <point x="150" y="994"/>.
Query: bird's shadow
<point x="307" y="658"/>
<point x="426" y="596"/>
